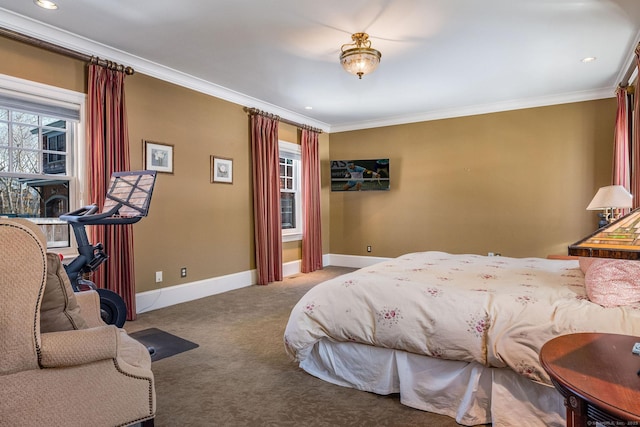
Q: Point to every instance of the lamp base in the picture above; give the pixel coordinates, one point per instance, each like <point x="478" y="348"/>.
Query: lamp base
<point x="603" y="221"/>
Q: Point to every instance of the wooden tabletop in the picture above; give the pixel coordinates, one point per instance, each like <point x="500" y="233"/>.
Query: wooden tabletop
<point x="599" y="368"/>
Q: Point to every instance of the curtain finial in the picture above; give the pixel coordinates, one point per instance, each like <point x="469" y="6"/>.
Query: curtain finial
<point x="111" y="65"/>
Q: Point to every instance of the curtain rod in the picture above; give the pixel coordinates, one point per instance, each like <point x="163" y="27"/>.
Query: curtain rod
<point x="255" y="111"/>
<point x="64" y="51"/>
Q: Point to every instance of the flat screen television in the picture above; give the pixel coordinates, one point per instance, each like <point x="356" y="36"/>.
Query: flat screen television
<point x="360" y="175"/>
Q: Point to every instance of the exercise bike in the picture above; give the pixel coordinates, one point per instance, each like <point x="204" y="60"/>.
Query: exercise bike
<point x="126" y="202"/>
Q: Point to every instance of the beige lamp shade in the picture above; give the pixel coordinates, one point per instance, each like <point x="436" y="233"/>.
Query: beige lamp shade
<point x="612" y="196"/>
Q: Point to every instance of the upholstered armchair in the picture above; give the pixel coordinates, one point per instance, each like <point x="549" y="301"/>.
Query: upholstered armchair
<point x="60" y="365"/>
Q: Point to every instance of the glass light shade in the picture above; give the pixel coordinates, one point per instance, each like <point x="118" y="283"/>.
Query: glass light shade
<point x="620" y="239"/>
<point x="360" y="60"/>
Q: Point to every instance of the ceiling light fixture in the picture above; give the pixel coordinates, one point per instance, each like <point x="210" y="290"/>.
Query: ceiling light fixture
<point x="359" y="57"/>
<point x="46" y="4"/>
<point x="588" y="59"/>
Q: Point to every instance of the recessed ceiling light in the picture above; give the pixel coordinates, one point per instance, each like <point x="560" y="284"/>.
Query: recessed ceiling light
<point x="308" y="108"/>
<point x="46" y="4"/>
<point x="588" y="59"/>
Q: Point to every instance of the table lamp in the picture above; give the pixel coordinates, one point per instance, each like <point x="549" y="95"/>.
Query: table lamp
<point x="609" y="199"/>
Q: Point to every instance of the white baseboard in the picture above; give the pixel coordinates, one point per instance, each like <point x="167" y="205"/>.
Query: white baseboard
<point x="165" y="297"/>
<point x="291" y="268"/>
<point x="354" y="261"/>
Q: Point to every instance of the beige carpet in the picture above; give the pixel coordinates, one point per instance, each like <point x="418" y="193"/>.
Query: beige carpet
<point x="240" y="374"/>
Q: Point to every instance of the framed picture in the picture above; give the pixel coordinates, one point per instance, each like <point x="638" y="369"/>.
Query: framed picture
<point x="221" y="170"/>
<point x="158" y="156"/>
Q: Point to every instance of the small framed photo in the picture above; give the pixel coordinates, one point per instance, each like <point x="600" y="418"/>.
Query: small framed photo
<point x="158" y="156"/>
<point x="221" y="170"/>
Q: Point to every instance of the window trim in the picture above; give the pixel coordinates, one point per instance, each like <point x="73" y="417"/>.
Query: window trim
<point x="294" y="151"/>
<point x="42" y="93"/>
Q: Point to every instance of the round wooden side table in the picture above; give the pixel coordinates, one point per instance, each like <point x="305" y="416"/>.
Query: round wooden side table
<point x="598" y="376"/>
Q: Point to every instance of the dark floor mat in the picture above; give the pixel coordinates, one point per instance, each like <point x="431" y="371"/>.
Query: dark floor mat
<point x="162" y="344"/>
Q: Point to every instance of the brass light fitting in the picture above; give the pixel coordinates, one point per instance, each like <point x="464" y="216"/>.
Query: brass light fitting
<point x="359" y="58"/>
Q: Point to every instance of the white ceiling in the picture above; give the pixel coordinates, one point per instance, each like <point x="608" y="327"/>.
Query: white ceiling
<point x="440" y="58"/>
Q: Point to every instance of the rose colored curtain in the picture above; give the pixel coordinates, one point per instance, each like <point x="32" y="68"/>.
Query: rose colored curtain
<point x="266" y="198"/>
<point x="108" y="151"/>
<point x="312" y="229"/>
<point x="621" y="172"/>
<point x="635" y="142"/>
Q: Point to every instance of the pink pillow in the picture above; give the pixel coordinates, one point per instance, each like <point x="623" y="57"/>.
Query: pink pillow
<point x="613" y="282"/>
<point x="585" y="263"/>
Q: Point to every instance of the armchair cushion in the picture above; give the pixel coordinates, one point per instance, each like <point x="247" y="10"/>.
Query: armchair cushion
<point x="89" y="302"/>
<point x="72" y="348"/>
<point x="59" y="310"/>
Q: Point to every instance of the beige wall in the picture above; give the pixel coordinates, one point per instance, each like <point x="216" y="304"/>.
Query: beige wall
<point x="38" y="65"/>
<point x="515" y="182"/>
<point x="206" y="227"/>
<point x="192" y="223"/>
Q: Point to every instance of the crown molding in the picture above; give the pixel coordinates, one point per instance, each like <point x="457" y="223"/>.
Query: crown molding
<point x="51" y="34"/>
<point x="474" y="110"/>
<point x="42" y="31"/>
<point x="629" y="71"/>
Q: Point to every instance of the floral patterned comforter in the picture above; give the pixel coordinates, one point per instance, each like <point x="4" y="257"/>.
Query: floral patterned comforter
<point x="497" y="311"/>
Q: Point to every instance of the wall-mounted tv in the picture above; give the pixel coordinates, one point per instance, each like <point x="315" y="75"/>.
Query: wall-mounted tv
<point x="360" y="175"/>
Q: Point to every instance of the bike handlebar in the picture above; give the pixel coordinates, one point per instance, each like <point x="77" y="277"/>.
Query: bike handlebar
<point x="86" y="215"/>
<point x="79" y="214"/>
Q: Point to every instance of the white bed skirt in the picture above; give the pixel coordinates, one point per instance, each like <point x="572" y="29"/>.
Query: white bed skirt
<point x="469" y="392"/>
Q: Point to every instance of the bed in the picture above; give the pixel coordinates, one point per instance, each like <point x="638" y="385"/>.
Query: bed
<point x="457" y="335"/>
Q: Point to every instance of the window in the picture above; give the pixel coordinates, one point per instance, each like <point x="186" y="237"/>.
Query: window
<point x="290" y="195"/>
<point x="39" y="155"/>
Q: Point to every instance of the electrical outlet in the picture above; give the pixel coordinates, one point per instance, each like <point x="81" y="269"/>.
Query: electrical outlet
<point x="368" y="248"/>
<point x="183" y="272"/>
<point x="158" y="276"/>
